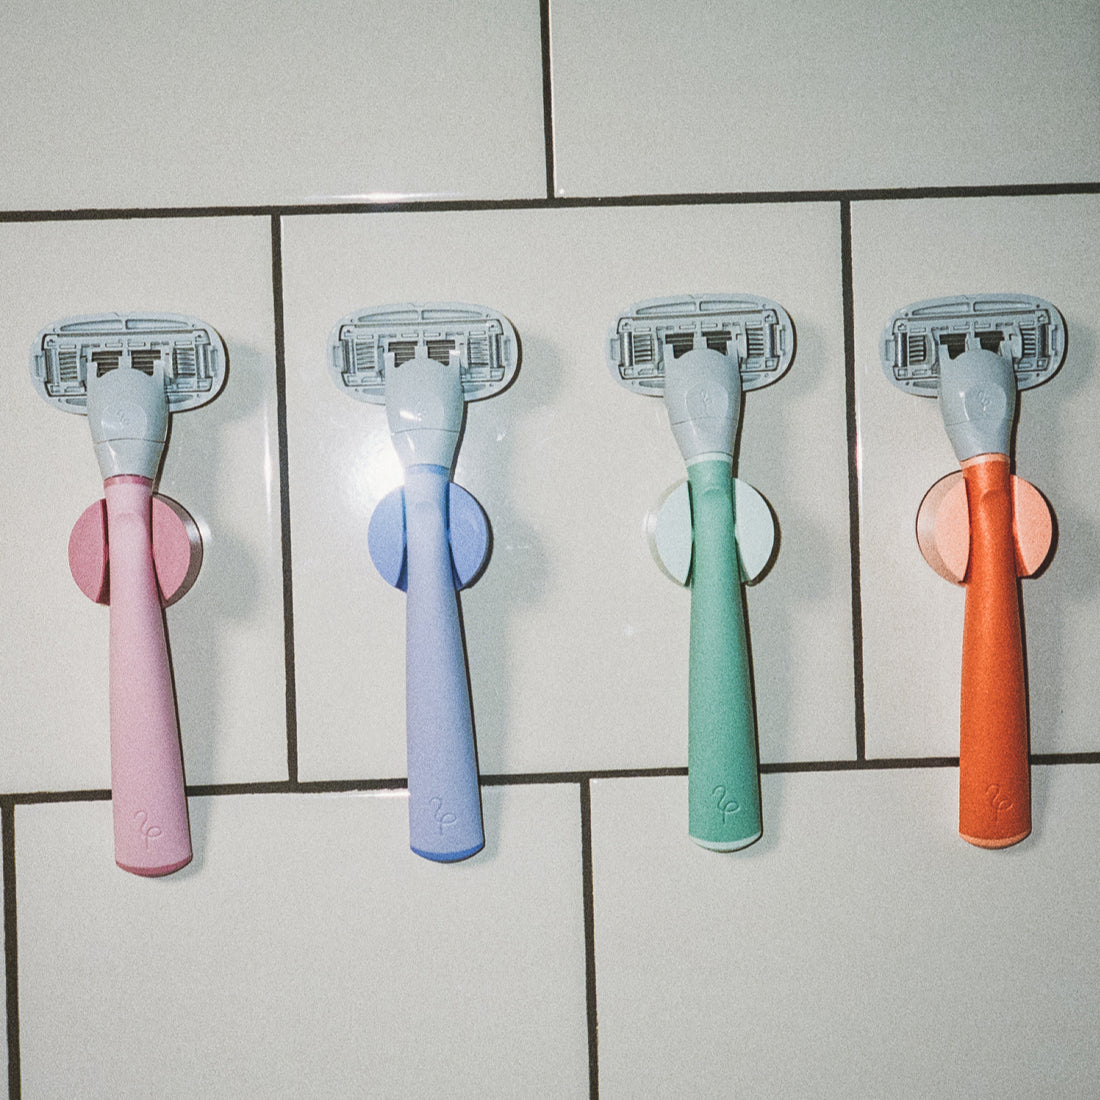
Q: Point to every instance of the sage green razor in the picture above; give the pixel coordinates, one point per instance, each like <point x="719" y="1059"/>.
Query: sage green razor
<point x="712" y="532"/>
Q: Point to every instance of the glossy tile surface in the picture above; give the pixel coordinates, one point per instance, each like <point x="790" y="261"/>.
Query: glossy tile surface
<point x="306" y="952"/>
<point x="912" y="619"/>
<point x="676" y="96"/>
<point x="221" y="463"/>
<point x="577" y="643"/>
<point x="226" y="105"/>
<point x="859" y="949"/>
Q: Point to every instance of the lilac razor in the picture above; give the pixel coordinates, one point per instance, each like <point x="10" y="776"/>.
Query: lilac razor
<point x="430" y="538"/>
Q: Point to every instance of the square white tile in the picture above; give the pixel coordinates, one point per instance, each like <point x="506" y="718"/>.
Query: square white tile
<point x="305" y="952"/>
<point x="221" y="464"/>
<point x="117" y="106"/>
<point x="859" y="949"/>
<point x="675" y="96"/>
<point x="577" y="644"/>
<point x="912" y="619"/>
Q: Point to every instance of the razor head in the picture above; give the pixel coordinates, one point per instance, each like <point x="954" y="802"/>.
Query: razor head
<point x="480" y="343"/>
<point x="756" y="331"/>
<point x="189" y="354"/>
<point x="1027" y="331"/>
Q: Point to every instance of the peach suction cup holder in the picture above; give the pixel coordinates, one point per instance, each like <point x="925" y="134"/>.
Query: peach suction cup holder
<point x="132" y="550"/>
<point x="982" y="527"/>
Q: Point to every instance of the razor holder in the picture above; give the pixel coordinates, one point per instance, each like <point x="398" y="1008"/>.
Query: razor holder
<point x="126" y="373"/>
<point x="424" y="362"/>
<point x="974" y="353"/>
<point x="699" y="352"/>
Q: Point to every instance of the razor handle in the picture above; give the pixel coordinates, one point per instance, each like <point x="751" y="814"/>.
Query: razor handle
<point x="147" y="790"/>
<point x="994" y="777"/>
<point x="723" y="774"/>
<point x="444" y="799"/>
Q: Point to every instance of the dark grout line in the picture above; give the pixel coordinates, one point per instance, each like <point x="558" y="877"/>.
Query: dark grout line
<point x="882" y="764"/>
<point x="284" y="501"/>
<point x="547" y="97"/>
<point x="686" y="198"/>
<point x="529" y="779"/>
<point x="848" y="295"/>
<point x="11" y="949"/>
<point x="588" y="896"/>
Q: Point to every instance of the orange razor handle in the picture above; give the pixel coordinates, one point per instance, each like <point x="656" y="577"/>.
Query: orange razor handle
<point x="994" y="776"/>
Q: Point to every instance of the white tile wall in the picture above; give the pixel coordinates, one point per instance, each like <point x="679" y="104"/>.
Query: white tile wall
<point x="912" y="619"/>
<point x="858" y="950"/>
<point x="399" y="152"/>
<point x="679" y="96"/>
<point x="221" y="464"/>
<point x="307" y="952"/>
<point x="123" y="105"/>
<point x="566" y="463"/>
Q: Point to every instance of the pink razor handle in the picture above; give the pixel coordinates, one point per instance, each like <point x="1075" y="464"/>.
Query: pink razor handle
<point x="149" y="802"/>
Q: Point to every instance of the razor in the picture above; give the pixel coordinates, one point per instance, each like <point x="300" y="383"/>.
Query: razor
<point x="713" y="532"/>
<point x="983" y="527"/>
<point x="430" y="537"/>
<point x="127" y="372"/>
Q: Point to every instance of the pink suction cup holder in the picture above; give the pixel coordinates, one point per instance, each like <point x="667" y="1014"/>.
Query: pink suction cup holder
<point x="156" y="552"/>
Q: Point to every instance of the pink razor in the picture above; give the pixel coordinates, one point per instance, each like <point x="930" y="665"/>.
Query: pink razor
<point x="126" y="373"/>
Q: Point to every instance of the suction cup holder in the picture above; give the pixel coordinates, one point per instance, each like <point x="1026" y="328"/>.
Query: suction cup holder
<point x="669" y="530"/>
<point x="177" y="551"/>
<point x="467" y="533"/>
<point x="943" y="527"/>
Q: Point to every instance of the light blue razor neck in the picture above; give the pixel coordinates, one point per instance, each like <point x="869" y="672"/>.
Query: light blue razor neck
<point x="424" y="407"/>
<point x="978" y="402"/>
<point x="128" y="416"/>
<point x="703" y="399"/>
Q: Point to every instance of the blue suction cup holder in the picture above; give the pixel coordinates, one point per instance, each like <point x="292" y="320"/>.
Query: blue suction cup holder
<point x="467" y="531"/>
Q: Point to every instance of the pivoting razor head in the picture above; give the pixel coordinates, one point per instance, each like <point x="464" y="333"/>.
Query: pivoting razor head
<point x="1028" y="332"/>
<point x="480" y="343"/>
<point x="189" y="355"/>
<point x="756" y="331"/>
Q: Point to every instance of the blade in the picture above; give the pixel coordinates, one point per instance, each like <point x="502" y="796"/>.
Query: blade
<point x="757" y="331"/>
<point x="191" y="354"/>
<point x="480" y="342"/>
<point x="1028" y="331"/>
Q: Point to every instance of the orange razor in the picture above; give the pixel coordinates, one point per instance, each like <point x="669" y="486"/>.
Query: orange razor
<point x="982" y="527"/>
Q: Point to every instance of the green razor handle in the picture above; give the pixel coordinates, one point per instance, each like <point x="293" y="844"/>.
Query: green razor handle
<point x="698" y="352"/>
<point x="723" y="779"/>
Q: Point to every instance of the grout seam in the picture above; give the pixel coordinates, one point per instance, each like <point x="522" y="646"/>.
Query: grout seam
<point x="284" y="501"/>
<point x="528" y="779"/>
<point x="547" y="97"/>
<point x="687" y="198"/>
<point x="851" y="417"/>
<point x="11" y="948"/>
<point x="588" y="898"/>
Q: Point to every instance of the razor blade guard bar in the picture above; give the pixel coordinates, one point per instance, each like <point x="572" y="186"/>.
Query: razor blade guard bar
<point x="481" y="343"/>
<point x="919" y="340"/>
<point x="647" y="336"/>
<point x="191" y="355"/>
<point x="699" y="352"/>
<point x="974" y="352"/>
<point x="424" y="361"/>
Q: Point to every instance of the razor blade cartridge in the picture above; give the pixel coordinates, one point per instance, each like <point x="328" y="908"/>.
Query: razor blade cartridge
<point x="756" y="331"/>
<point x="480" y="343"/>
<point x="1027" y="331"/>
<point x="189" y="354"/>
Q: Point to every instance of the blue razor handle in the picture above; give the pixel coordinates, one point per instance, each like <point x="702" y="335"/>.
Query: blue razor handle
<point x="430" y="538"/>
<point x="444" y="800"/>
<point x="424" y="361"/>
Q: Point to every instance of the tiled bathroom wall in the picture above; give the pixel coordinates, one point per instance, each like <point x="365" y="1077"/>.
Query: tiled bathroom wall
<point x="272" y="168"/>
